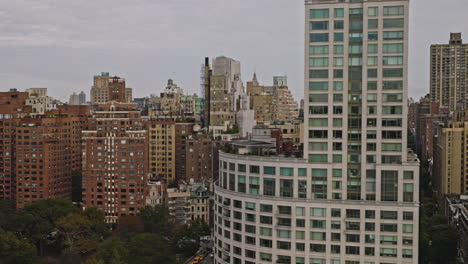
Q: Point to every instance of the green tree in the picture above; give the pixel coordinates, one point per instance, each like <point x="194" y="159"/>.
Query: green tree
<point x="77" y="233"/>
<point x="156" y="220"/>
<point x="36" y="221"/>
<point x="149" y="249"/>
<point x="444" y="244"/>
<point x="98" y="224"/>
<point x="14" y="250"/>
<point x="113" y="251"/>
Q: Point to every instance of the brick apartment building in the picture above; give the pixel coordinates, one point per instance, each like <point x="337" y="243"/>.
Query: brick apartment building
<point x="38" y="154"/>
<point x="115" y="162"/>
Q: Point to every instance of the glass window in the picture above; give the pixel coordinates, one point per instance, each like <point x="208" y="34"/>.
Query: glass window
<point x="355" y="11"/>
<point x="355" y="37"/>
<point x="318" y="110"/>
<point x="338" y="36"/>
<point x="319" y="13"/>
<point x="393" y="60"/>
<point x="392" y="110"/>
<point x="338" y="49"/>
<point x="318" y="25"/>
<point x="269" y="187"/>
<point x="339" y="12"/>
<point x="267" y="208"/>
<point x="319" y="62"/>
<point x="338" y="61"/>
<point x="337" y="86"/>
<point x="408" y="190"/>
<point x="372" y="60"/>
<point x="318" y="73"/>
<point x="389" y="186"/>
<point x="373" y="11"/>
<point x="337" y="173"/>
<point x="317" y="236"/>
<point x="286" y="171"/>
<point x="302" y="172"/>
<point x="393" y="215"/>
<point x="319" y="37"/>
<point x="393" y="97"/>
<point x="318" y="122"/>
<point x="300" y="235"/>
<point x="372" y="48"/>
<point x="394" y="23"/>
<point x="250" y="206"/>
<point x="300" y="211"/>
<point x="254" y="169"/>
<point x="407" y="228"/>
<point x="318" y="86"/>
<point x="393" y="35"/>
<point x="337" y="73"/>
<point x="355" y="61"/>
<point x="318" y="158"/>
<point x="392" y="85"/>
<point x="337" y="122"/>
<point x="337" y="98"/>
<point x="318" y="98"/>
<point x="392" y="72"/>
<point x="355" y="25"/>
<point x="372" y="23"/>
<point x="408" y="175"/>
<point x="393" y="48"/>
<point x="372" y="85"/>
<point x="394" y="10"/>
<point x="391" y="146"/>
<point x="318" y="146"/>
<point x="355" y="49"/>
<point x="286" y="188"/>
<point x="321" y="49"/>
<point x="241" y="167"/>
<point x="321" y="212"/>
<point x="283" y="233"/>
<point x="371" y="97"/>
<point x="339" y="24"/>
<point x="269" y="170"/>
<point x="373" y="35"/>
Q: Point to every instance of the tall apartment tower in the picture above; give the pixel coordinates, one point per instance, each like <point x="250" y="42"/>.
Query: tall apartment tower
<point x="356" y="67"/>
<point x="353" y="199"/>
<point x="449" y="73"/>
<point x="115" y="161"/>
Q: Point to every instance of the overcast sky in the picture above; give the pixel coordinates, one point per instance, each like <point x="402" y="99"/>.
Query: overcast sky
<point x="62" y="44"/>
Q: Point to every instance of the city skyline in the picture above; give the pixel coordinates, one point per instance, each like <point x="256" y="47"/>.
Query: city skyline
<point x="76" y="45"/>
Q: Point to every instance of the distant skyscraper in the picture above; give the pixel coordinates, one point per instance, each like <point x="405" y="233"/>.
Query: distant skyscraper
<point x="82" y="98"/>
<point x="280" y="80"/>
<point x="228" y="103"/>
<point x="77" y="99"/>
<point x="74" y="99"/>
<point x="449" y="73"/>
<point x="106" y="89"/>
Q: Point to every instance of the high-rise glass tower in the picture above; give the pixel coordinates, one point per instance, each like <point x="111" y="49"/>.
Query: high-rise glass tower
<point x="354" y="197"/>
<point x="356" y="118"/>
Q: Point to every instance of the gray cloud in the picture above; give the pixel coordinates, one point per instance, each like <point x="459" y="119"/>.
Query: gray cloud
<point x="62" y="44"/>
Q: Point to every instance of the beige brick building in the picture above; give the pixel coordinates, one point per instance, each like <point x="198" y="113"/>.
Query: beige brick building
<point x="162" y="149"/>
<point x="451" y="147"/>
<point x="272" y="103"/>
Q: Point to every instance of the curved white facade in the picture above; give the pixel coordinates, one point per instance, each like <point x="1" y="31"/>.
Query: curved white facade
<point x="258" y="222"/>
